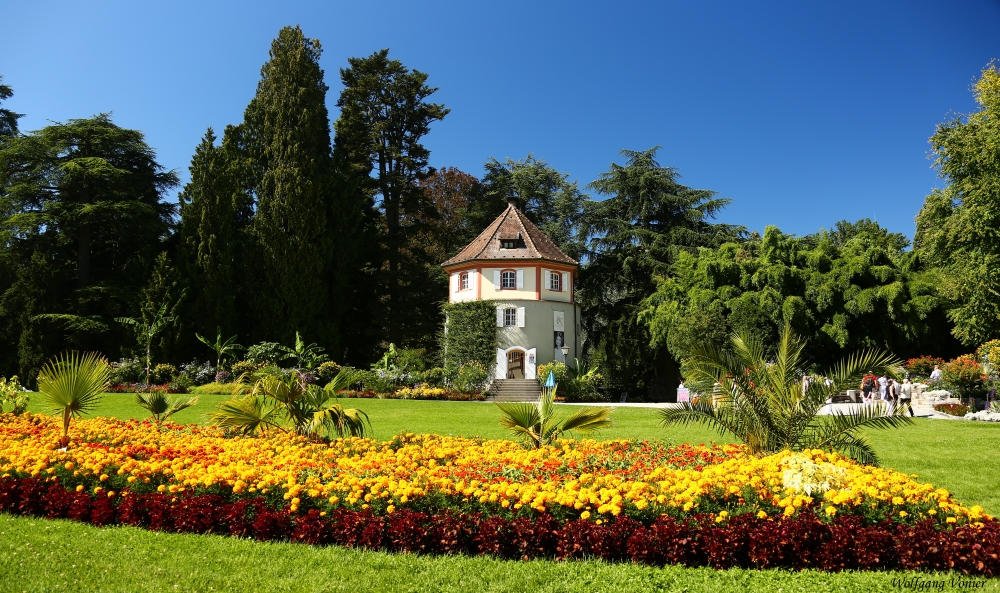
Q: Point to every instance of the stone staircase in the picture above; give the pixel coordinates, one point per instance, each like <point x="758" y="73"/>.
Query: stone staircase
<point x="514" y="390"/>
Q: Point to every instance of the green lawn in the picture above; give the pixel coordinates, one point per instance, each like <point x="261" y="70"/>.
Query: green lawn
<point x="43" y="555"/>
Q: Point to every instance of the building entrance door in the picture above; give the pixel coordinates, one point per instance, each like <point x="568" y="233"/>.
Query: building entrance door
<point x="515" y="364"/>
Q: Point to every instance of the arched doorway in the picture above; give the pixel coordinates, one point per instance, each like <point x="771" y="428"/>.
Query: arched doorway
<point x="515" y="364"/>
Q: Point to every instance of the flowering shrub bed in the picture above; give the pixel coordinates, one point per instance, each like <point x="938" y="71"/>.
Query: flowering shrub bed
<point x="137" y="387"/>
<point x="923" y="365"/>
<point x="953" y="409"/>
<point x="618" y="500"/>
<point x="421" y="393"/>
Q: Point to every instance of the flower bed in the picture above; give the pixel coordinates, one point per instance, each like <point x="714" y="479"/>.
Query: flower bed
<point x="953" y="409"/>
<point x="618" y="500"/>
<point x="421" y="393"/>
<point x="142" y="387"/>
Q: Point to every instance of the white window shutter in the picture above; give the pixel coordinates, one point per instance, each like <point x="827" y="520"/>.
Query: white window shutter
<point x="454" y="282"/>
<point x="520" y="279"/>
<point x="520" y="317"/>
<point x="496" y="279"/>
<point x="473" y="278"/>
<point x="499" y="316"/>
<point x="548" y="279"/>
<point x="565" y="281"/>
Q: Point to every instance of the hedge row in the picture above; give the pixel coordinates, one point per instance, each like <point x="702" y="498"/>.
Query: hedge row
<point x="741" y="541"/>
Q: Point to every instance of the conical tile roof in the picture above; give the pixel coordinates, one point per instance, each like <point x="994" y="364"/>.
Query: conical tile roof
<point x="512" y="224"/>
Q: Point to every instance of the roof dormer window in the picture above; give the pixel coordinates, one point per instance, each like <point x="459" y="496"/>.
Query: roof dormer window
<point x="512" y="242"/>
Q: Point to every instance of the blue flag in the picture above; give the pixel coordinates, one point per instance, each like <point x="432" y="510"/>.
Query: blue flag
<point x="551" y="381"/>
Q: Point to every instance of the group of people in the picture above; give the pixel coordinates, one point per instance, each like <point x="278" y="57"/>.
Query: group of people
<point x="888" y="390"/>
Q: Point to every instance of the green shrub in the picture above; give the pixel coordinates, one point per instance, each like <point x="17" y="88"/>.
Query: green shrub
<point x="577" y="384"/>
<point x="559" y="372"/>
<point x="245" y="367"/>
<point x="214" y="389"/>
<point x="162" y="373"/>
<point x="327" y="371"/>
<point x="434" y="377"/>
<point x="412" y="360"/>
<point x="377" y="381"/>
<point x="989" y="355"/>
<point x="128" y="370"/>
<point x="12" y="396"/>
<point x="268" y="353"/>
<point x="472" y="377"/>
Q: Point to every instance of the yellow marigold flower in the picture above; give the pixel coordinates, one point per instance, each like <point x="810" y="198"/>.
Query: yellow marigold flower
<point x="831" y="510"/>
<point x="951" y="520"/>
<point x="79" y="488"/>
<point x="761" y="515"/>
<point x="585" y="515"/>
<point x="389" y="509"/>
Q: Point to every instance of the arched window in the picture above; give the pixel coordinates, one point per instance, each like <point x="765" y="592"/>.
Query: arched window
<point x="464" y="283"/>
<point x="555" y="281"/>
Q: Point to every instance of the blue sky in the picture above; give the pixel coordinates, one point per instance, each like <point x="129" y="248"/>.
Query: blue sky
<point x="803" y="113"/>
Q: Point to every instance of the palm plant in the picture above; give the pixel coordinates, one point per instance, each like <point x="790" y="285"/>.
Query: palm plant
<point x="145" y="330"/>
<point x="763" y="404"/>
<point x="72" y="384"/>
<point x="536" y="424"/>
<point x="222" y="348"/>
<point x="288" y="403"/>
<point x="160" y="406"/>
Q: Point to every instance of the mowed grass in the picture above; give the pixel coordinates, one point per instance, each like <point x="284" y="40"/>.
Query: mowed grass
<point x="46" y="555"/>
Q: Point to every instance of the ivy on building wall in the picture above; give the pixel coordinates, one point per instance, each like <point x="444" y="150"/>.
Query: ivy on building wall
<point x="470" y="334"/>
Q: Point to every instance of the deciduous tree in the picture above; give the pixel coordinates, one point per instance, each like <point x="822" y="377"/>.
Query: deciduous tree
<point x="959" y="226"/>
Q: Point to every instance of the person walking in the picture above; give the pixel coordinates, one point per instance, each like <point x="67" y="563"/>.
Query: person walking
<point x="906" y="395"/>
<point x="891" y="397"/>
<point x="882" y="382"/>
<point x="867" y="386"/>
<point x="936" y="373"/>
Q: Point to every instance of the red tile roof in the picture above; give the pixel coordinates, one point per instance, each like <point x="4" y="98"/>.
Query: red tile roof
<point x="510" y="225"/>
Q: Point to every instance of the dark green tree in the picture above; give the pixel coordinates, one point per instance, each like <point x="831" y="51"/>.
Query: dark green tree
<point x="854" y="288"/>
<point x="81" y="221"/>
<point x="212" y="237"/>
<point x="636" y="233"/>
<point x="285" y="141"/>
<point x="547" y="197"/>
<point x="8" y="119"/>
<point x="384" y="117"/>
<point x="164" y="291"/>
<point x="958" y="229"/>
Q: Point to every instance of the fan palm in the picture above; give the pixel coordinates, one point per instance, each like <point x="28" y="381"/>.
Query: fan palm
<point x="72" y="384"/>
<point x="536" y="424"/>
<point x="288" y="403"/>
<point x="160" y="406"/>
<point x="763" y="404"/>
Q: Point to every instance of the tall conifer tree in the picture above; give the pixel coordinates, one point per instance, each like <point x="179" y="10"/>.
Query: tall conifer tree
<point x="210" y="239"/>
<point x="286" y="139"/>
<point x="384" y="116"/>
